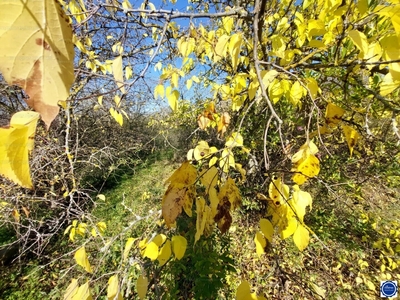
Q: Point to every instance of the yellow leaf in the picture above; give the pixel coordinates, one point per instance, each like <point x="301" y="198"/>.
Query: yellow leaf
<point x="189" y="83"/>
<point x="333" y="114"/>
<point x="186" y="175"/>
<point x="29" y="119"/>
<point x="72" y="234"/>
<point x="260" y="242"/>
<point x="172" y="97"/>
<point x="71" y="289"/>
<point x="278" y="191"/>
<point x="117" y="100"/>
<point x="268" y="77"/>
<point x="93" y="232"/>
<point x="243" y="291"/>
<point x="113" y="288"/>
<point x="296" y="93"/>
<point x="312" y="86"/>
<point x="16" y="142"/>
<point x="235" y="140"/>
<point x="151" y="251"/>
<point x="275" y="90"/>
<point x="82" y="260"/>
<point x="301" y="237"/>
<point x="16" y="215"/>
<point x="227" y="160"/>
<point x="370" y="285"/>
<point x="179" y="244"/>
<point x="159" y="239"/>
<point x="267" y="229"/>
<point x="306" y="168"/>
<point x="235" y="43"/>
<point x="290" y="228"/>
<point x="159" y="91"/>
<point x="117" y="116"/>
<point x="203" y="150"/>
<point x="165" y="253"/>
<point x="351" y="136"/>
<point x="81" y="229"/>
<point x="212" y="161"/>
<point x="220" y="48"/>
<point x="360" y="40"/>
<point x="128" y="72"/>
<point x="300" y="201"/>
<point x="209" y="177"/>
<point x="201" y="218"/>
<point x="230" y="191"/>
<point x="227" y="23"/>
<point x="101" y="226"/>
<point x="118" y="72"/>
<point x="141" y="286"/>
<point x="38" y="37"/>
<point x="83" y="293"/>
<point x="128" y="246"/>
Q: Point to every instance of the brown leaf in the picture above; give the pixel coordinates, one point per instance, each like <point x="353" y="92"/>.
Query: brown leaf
<point x="223" y="123"/>
<point x="173" y="202"/>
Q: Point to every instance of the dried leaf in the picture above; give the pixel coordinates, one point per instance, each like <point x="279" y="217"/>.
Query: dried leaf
<point x="39" y="36"/>
<point x="333" y="115"/>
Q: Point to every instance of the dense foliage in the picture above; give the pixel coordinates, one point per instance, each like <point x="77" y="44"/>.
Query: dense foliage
<point x="266" y="104"/>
